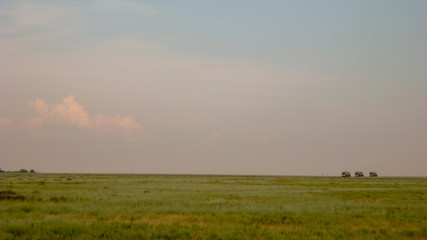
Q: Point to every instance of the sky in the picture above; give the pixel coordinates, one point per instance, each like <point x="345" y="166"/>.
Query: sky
<point x="214" y="87"/>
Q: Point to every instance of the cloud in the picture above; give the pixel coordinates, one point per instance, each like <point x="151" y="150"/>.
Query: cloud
<point x="6" y="124"/>
<point x="20" y="17"/>
<point x="128" y="7"/>
<point x="70" y="112"/>
<point x="58" y="26"/>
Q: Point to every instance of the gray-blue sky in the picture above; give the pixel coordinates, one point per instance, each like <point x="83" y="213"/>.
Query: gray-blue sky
<point x="244" y="87"/>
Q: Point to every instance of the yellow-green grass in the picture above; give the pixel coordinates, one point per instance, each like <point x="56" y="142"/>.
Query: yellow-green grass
<point x="90" y="206"/>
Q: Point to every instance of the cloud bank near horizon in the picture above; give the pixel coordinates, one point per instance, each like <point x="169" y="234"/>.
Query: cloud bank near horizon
<point x="70" y="112"/>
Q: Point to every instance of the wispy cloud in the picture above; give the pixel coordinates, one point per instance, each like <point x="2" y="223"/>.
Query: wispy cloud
<point x="6" y="124"/>
<point x="23" y="16"/>
<point x="70" y="112"/>
<point x="39" y="22"/>
<point x="129" y="7"/>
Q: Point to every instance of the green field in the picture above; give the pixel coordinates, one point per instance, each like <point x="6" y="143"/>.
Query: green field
<point x="79" y="206"/>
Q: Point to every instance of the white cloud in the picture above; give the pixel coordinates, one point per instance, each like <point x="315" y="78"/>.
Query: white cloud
<point x="70" y="112"/>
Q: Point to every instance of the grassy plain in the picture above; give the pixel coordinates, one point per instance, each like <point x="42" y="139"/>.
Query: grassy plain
<point x="88" y="206"/>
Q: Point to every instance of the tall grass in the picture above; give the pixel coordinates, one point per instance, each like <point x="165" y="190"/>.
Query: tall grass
<point x="61" y="206"/>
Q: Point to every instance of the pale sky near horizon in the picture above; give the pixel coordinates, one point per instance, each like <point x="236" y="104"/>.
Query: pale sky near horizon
<point x="214" y="87"/>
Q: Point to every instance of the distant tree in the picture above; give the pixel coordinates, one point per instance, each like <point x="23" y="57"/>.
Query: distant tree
<point x="23" y="171"/>
<point x="32" y="171"/>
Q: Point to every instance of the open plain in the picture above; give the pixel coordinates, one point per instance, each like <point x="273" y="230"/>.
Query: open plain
<point x="95" y="206"/>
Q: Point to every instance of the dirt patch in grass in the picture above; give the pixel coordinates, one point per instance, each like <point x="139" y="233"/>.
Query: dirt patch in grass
<point x="11" y="195"/>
